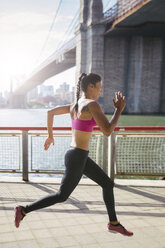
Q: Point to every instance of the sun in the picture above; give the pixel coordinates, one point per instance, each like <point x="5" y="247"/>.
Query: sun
<point x="14" y="67"/>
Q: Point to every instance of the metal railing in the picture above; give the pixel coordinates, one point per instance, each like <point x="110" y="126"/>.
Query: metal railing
<point x="22" y="150"/>
<point x="120" y="8"/>
<point x="137" y="151"/>
<point x="128" y="151"/>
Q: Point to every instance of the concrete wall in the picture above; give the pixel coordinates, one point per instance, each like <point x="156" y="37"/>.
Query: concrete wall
<point x="162" y="88"/>
<point x="114" y="68"/>
<point x="133" y="65"/>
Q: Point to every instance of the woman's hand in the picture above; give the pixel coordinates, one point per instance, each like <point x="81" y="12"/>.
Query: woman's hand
<point x="48" y="142"/>
<point x="119" y="101"/>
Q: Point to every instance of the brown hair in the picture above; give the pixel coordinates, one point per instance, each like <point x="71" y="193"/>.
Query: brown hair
<point x="82" y="85"/>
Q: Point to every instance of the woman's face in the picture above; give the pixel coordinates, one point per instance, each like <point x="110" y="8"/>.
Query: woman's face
<point x="97" y="89"/>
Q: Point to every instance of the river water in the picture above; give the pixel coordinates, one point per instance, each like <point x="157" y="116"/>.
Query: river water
<point x="30" y="118"/>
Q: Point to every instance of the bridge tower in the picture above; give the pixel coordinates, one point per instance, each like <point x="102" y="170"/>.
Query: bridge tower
<point x="18" y="101"/>
<point x="129" y="55"/>
<point x="90" y="39"/>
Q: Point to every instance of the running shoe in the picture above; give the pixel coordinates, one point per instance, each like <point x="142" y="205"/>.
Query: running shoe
<point x="18" y="215"/>
<point x="119" y="229"/>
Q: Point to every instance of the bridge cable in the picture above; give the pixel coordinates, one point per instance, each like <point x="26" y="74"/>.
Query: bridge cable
<point x="49" y="32"/>
<point x="108" y="5"/>
<point x="61" y="43"/>
<point x="69" y="30"/>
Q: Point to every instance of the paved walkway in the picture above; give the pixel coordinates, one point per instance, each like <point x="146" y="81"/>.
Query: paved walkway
<point x="81" y="220"/>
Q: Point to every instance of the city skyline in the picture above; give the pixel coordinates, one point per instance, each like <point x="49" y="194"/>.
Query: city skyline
<point x="48" y="96"/>
<point x="45" y="95"/>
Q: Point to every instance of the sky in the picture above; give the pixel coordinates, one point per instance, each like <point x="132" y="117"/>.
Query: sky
<point x="30" y="31"/>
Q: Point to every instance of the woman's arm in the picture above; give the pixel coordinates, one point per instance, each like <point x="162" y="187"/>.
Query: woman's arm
<point x="59" y="110"/>
<point x="100" y="118"/>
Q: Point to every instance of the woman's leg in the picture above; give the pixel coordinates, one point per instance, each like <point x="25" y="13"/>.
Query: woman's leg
<point x="94" y="172"/>
<point x="75" y="160"/>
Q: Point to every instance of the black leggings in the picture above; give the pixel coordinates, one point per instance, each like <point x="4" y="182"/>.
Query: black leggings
<point x="78" y="163"/>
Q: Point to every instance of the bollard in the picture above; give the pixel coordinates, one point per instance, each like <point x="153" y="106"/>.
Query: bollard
<point x="25" y="156"/>
<point x="111" y="156"/>
<point x="105" y="153"/>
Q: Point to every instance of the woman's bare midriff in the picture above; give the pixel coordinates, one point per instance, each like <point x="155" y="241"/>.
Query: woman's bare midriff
<point x="80" y="139"/>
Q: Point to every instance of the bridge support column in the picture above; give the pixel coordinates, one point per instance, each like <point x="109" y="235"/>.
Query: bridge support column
<point x="162" y="88"/>
<point x="17" y="101"/>
<point x="90" y="39"/>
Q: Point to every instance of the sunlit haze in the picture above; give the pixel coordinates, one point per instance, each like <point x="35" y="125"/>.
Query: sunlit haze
<point x="25" y="29"/>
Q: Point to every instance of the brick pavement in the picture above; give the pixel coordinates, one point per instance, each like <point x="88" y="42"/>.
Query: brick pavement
<point x="81" y="220"/>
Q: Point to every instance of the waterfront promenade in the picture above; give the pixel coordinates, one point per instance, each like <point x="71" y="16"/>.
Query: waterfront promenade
<point x="81" y="220"/>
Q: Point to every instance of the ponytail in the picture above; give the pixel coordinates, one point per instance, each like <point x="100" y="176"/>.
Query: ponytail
<point x="84" y="81"/>
<point x="78" y="91"/>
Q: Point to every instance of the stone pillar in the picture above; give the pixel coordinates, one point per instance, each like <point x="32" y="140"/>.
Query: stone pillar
<point x="17" y="101"/>
<point x="114" y="69"/>
<point x="144" y="75"/>
<point x="135" y="66"/>
<point x="162" y="88"/>
<point x="151" y="75"/>
<point x="90" y="40"/>
<point x="134" y="77"/>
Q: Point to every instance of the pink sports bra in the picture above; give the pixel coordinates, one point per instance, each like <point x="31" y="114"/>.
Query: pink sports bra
<point x="83" y="125"/>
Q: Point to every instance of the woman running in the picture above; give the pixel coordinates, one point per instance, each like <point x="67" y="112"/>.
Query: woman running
<point x="85" y="114"/>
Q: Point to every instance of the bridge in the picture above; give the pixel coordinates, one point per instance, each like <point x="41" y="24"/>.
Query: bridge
<point x="59" y="61"/>
<point x="125" y="45"/>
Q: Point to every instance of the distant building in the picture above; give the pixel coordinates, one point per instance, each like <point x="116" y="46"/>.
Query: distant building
<point x="46" y="90"/>
<point x="2" y="100"/>
<point x="66" y="96"/>
<point x="1" y="95"/>
<point x="6" y="94"/>
<point x="44" y="95"/>
<point x="63" y="88"/>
